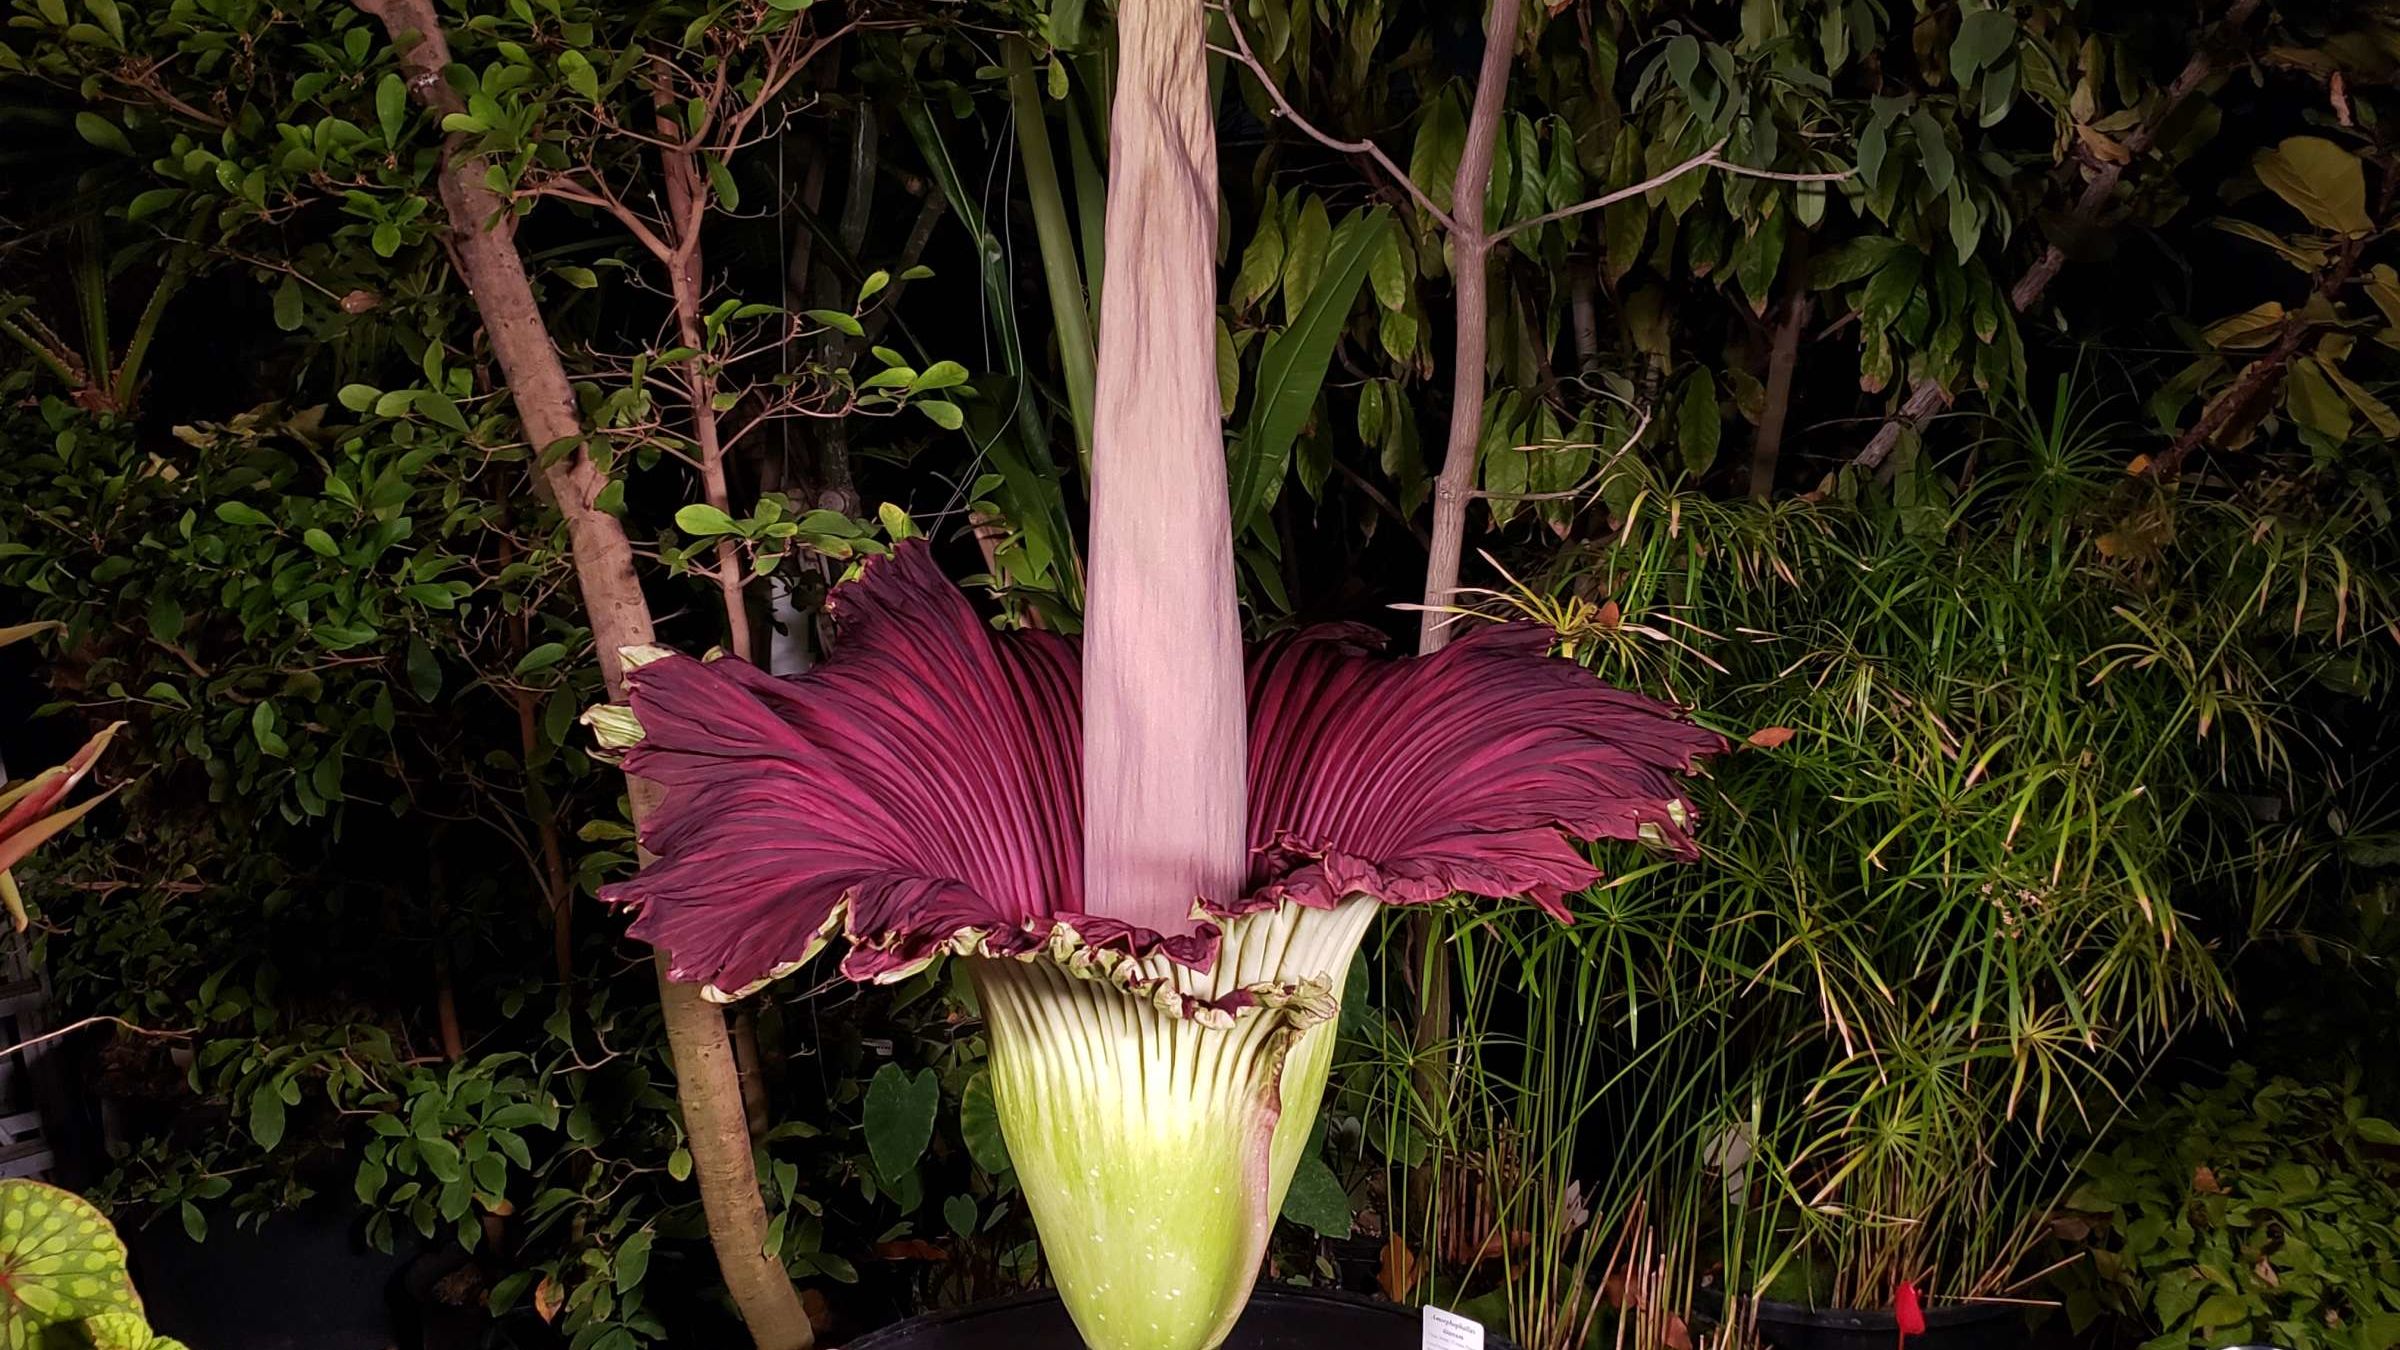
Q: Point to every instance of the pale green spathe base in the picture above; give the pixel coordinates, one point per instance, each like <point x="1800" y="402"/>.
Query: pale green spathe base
<point x="1154" y="1150"/>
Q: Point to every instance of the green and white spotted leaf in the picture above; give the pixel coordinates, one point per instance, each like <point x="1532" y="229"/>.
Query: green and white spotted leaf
<point x="60" y="1261"/>
<point x="126" y="1331"/>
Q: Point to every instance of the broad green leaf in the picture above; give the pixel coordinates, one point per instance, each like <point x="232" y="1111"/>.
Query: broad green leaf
<point x="266" y="1117"/>
<point x="166" y="619"/>
<point x="899" y="1118"/>
<point x="2376" y="1130"/>
<point x="424" y="672"/>
<point x="1304" y="255"/>
<point x="1316" y="1200"/>
<point x="1433" y="161"/>
<point x="152" y="202"/>
<point x="435" y="404"/>
<point x="979" y="1125"/>
<point x="1291" y="370"/>
<point x="945" y="415"/>
<point x="102" y="132"/>
<point x="1699" y="426"/>
<point x="703" y="520"/>
<point x="391" y="107"/>
<point x="289" y="306"/>
<point x="959" y="1212"/>
<point x="541" y="658"/>
<point x="126" y="1331"/>
<point x="1262" y="259"/>
<point x="579" y="75"/>
<point x="242" y="513"/>
<point x="633" y="1260"/>
<point x="1984" y="36"/>
<point x="59" y="1262"/>
<point x="2321" y="180"/>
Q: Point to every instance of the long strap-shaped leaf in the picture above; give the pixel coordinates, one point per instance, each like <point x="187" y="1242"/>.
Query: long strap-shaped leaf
<point x="1291" y="371"/>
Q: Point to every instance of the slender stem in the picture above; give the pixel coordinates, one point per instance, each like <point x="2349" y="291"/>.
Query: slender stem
<point x="1470" y="251"/>
<point x="1067" y="311"/>
<point x="1782" y="360"/>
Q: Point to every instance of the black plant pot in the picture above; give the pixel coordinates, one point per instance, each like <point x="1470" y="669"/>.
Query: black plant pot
<point x="304" y="1281"/>
<point x="1278" y="1318"/>
<point x="1961" y="1326"/>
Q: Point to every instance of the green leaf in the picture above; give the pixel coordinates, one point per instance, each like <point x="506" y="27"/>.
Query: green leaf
<point x="959" y="1212"/>
<point x="633" y="1260"/>
<point x="705" y="521"/>
<point x="720" y="179"/>
<point x="581" y="278"/>
<point x="873" y="285"/>
<point x="899" y="1118"/>
<point x="320" y="543"/>
<point x="126" y="1331"/>
<point x="1984" y="36"/>
<point x="289" y="306"/>
<point x="424" y="672"/>
<point x="1699" y="426"/>
<point x="359" y="398"/>
<point x="242" y="513"/>
<point x="577" y="70"/>
<point x="1433" y="160"/>
<point x="837" y="321"/>
<point x="541" y="658"/>
<point x="1388" y="272"/>
<point x="166" y="619"/>
<point x="391" y="107"/>
<point x="979" y="1125"/>
<point x="1304" y="255"/>
<point x="945" y="415"/>
<point x="1291" y="371"/>
<point x="152" y="202"/>
<point x="102" y="132"/>
<point x="59" y="1261"/>
<point x="435" y="404"/>
<point x="939" y="375"/>
<point x="1316" y="1200"/>
<point x="266" y="1116"/>
<point x="1262" y="259"/>
<point x="2376" y="1130"/>
<point x="2323" y="181"/>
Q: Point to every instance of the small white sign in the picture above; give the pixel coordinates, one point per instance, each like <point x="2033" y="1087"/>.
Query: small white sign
<point x="1449" y="1331"/>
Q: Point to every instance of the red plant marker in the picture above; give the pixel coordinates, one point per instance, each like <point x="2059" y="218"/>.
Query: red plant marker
<point x="1909" y="1313"/>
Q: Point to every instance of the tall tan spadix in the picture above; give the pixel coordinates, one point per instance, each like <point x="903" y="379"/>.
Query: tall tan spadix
<point x="1163" y="753"/>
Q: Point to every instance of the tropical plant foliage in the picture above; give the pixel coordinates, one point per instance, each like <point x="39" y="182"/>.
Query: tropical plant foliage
<point x="2060" y="709"/>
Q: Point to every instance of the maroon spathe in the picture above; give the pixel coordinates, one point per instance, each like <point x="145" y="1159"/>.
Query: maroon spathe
<point x="924" y="784"/>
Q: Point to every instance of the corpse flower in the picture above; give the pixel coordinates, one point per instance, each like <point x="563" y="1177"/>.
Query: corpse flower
<point x="920" y="793"/>
<point x="1157" y="859"/>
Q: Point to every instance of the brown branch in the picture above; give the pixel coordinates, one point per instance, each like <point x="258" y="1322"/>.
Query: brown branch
<point x="1283" y="106"/>
<point x="1926" y="397"/>
<point x="1706" y="159"/>
<point x="72" y="1027"/>
<point x="480" y="237"/>
<point x="1471" y="249"/>
<point x="1782" y="359"/>
<point x="2096" y="193"/>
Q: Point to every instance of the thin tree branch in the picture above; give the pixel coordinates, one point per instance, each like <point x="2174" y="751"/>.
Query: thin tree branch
<point x="1283" y="106"/>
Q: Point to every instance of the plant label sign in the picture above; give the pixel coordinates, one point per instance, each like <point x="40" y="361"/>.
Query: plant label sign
<point x="1449" y="1331"/>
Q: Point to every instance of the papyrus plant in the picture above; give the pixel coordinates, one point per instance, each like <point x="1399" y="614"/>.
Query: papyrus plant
<point x="1159" y="861"/>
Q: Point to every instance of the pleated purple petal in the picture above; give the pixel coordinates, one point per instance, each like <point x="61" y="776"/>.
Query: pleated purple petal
<point x="1466" y="772"/>
<point x="920" y="791"/>
<point x="926" y="779"/>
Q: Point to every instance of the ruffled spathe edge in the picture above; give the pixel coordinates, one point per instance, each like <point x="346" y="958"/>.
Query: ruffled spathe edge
<point x="919" y="793"/>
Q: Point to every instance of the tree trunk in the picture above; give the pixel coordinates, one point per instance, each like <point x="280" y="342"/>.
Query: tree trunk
<point x="706" y="1085"/>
